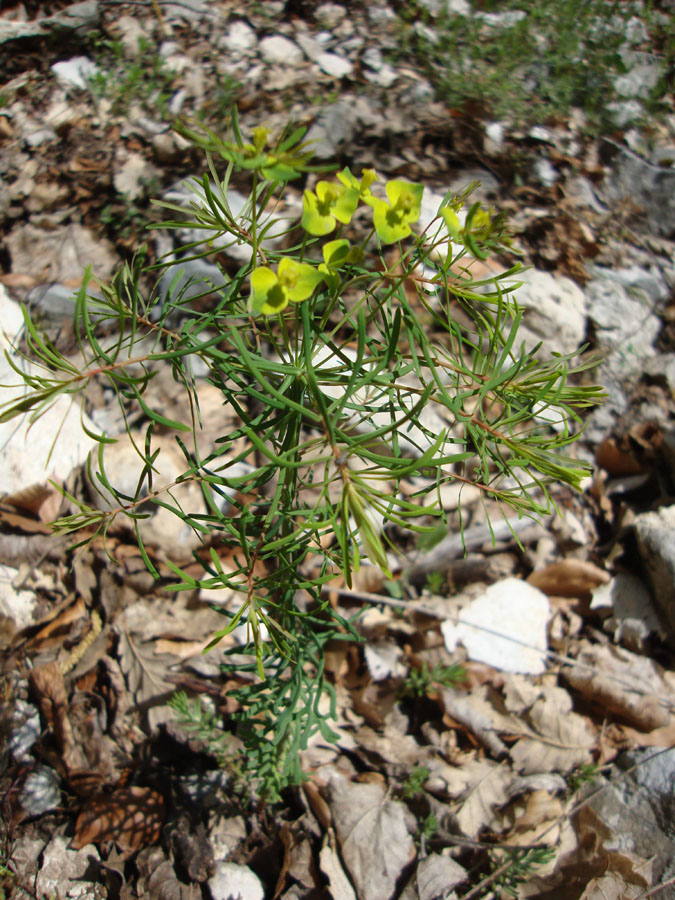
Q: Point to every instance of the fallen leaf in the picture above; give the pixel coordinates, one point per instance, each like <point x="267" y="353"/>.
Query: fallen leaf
<point x="339" y="885"/>
<point x="132" y="817"/>
<point x="569" y="578"/>
<point x="434" y="879"/>
<point x="557" y="740"/>
<point x="487" y="791"/>
<point x="623" y="683"/>
<point x="374" y="838"/>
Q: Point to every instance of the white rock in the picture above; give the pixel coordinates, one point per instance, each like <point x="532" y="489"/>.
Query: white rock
<point x="50" y="447"/>
<point x="233" y="882"/>
<point x="655" y="532"/>
<point x="278" y="50"/>
<point x="240" y="38"/>
<point x="633" y="617"/>
<point x="131" y="33"/>
<point x="122" y="466"/>
<point x="75" y="72"/>
<point x="330" y="14"/>
<point x="63" y="868"/>
<point x="381" y="15"/>
<point x="41" y="791"/>
<point x="458" y="7"/>
<point x="555" y="311"/>
<point x="311" y="47"/>
<point x="20" y="606"/>
<point x="11" y="320"/>
<point x="494" y="133"/>
<point x="334" y="65"/>
<point x="133" y="175"/>
<point x="502" y="20"/>
<point x="639" y="82"/>
<point x="624" y="324"/>
<point x="384" y="77"/>
<point x="435" y="7"/>
<point x="623" y="112"/>
<point x="545" y="172"/>
<point x="504" y="628"/>
<point x="384" y="661"/>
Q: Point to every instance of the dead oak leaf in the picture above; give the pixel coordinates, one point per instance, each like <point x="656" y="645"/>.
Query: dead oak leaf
<point x="374" y="838"/>
<point x="132" y="817"/>
<point x="558" y="739"/>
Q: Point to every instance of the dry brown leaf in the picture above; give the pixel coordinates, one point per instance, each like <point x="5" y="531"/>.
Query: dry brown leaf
<point x="481" y="787"/>
<point x="539" y="822"/>
<point x="476" y="715"/>
<point x="132" y="817"/>
<point x="48" y="687"/>
<point x="611" y="887"/>
<point x="298" y="862"/>
<point x="146" y="673"/>
<point x="569" y="578"/>
<point x="339" y="885"/>
<point x="623" y="683"/>
<point x="434" y="879"/>
<point x="660" y="737"/>
<point x="374" y="838"/>
<point x="558" y="739"/>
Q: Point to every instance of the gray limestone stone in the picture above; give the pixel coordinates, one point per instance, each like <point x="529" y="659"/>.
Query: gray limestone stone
<point x="655" y="533"/>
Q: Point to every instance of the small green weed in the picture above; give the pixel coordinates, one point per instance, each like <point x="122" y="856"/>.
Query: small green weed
<point x="143" y="78"/>
<point x="420" y="681"/>
<point x="278" y="346"/>
<point x="584" y="774"/>
<point x="518" y="865"/>
<point x="414" y="783"/>
<point x="203" y="725"/>
<point x="428" y="826"/>
<point x="123" y="219"/>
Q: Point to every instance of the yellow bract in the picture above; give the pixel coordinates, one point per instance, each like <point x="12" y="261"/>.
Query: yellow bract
<point x="271" y="292"/>
<point x="330" y="204"/>
<point x="392" y="220"/>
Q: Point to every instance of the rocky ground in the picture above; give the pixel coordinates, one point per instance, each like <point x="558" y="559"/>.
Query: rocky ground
<point x="554" y="780"/>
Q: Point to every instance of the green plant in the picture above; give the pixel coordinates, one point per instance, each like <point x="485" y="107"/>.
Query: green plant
<point x="428" y="827"/>
<point x="414" y="783"/>
<point x="553" y="55"/>
<point x="513" y="867"/>
<point x="329" y="365"/>
<point x="584" y="774"/>
<point x="419" y="682"/>
<point x="123" y="218"/>
<point x="143" y="78"/>
<point x="202" y="724"/>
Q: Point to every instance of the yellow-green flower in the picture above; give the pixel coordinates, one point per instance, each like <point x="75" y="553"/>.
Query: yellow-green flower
<point x="392" y="220"/>
<point x="330" y="204"/>
<point x="368" y="176"/>
<point x="271" y="291"/>
<point x="335" y="255"/>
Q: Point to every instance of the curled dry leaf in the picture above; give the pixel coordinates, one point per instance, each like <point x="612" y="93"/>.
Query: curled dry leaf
<point x="569" y="578"/>
<point x="623" y="683"/>
<point x="132" y="817"/>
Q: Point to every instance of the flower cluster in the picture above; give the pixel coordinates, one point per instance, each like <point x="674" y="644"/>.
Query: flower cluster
<point x="332" y="204"/>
